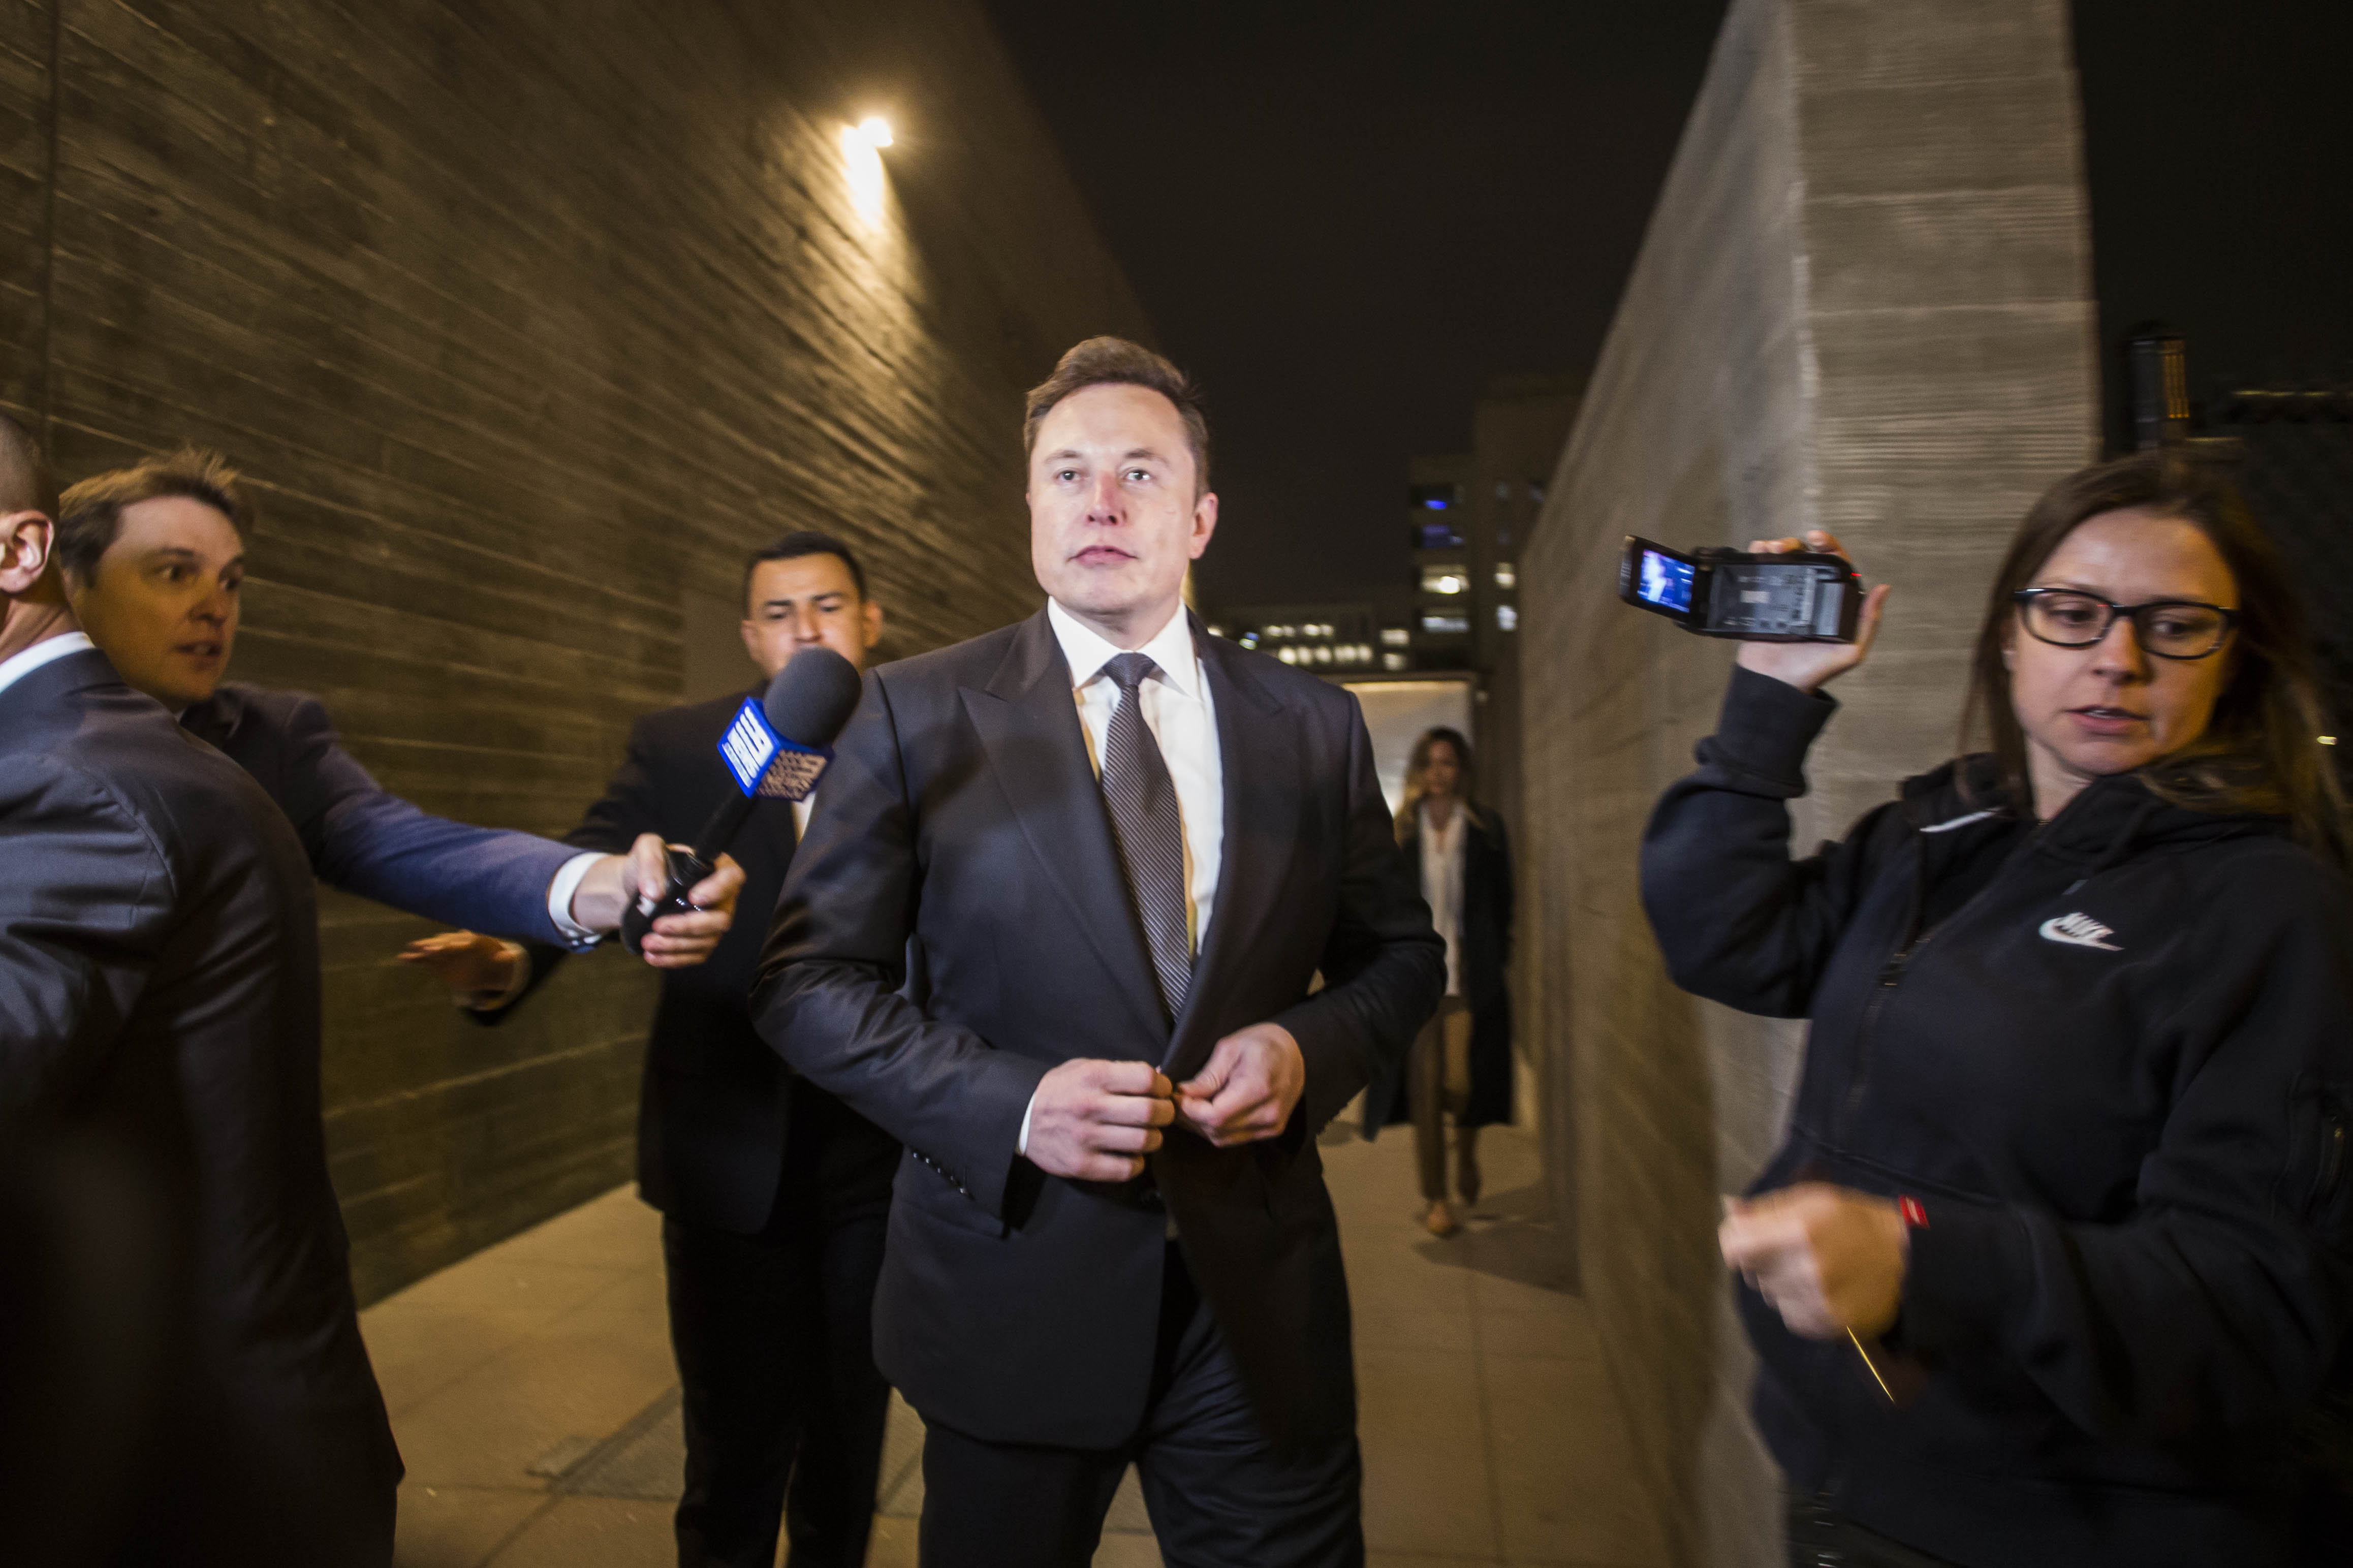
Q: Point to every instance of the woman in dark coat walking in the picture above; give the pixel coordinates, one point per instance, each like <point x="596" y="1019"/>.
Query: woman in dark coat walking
<point x="1461" y="1064"/>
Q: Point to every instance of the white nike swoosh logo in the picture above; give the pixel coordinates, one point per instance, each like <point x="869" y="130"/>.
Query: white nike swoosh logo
<point x="2055" y="930"/>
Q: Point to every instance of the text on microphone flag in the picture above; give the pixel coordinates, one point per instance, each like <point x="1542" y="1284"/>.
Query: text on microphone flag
<point x="795" y="771"/>
<point x="764" y="763"/>
<point x="748" y="747"/>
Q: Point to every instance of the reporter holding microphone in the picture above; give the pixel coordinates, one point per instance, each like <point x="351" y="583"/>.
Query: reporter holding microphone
<point x="2058" y="1248"/>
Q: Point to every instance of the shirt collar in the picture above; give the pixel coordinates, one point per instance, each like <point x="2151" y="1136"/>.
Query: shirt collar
<point x="1087" y="651"/>
<point x="22" y="663"/>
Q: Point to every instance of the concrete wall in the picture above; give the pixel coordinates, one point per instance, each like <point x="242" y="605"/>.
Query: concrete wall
<point x="1863" y="305"/>
<point x="527" y="320"/>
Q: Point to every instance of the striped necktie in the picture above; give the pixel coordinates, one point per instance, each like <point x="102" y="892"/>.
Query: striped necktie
<point x="1143" y="800"/>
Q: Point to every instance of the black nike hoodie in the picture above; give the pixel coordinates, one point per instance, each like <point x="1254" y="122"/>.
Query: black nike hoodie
<point x="2111" y="1056"/>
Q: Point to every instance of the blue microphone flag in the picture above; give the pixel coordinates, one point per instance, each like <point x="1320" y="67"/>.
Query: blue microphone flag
<point x="762" y="762"/>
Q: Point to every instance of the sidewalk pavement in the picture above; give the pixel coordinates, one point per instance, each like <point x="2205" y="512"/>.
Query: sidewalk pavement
<point x="532" y="1393"/>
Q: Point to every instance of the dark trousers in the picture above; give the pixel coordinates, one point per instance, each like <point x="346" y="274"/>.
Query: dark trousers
<point x="784" y="1409"/>
<point x="1822" y="1537"/>
<point x="1216" y="1494"/>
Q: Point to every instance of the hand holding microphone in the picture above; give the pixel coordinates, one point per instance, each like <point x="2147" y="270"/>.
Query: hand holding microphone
<point x="776" y="747"/>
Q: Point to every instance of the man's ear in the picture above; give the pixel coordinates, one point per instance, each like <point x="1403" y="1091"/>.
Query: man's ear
<point x="1205" y="521"/>
<point x="28" y="546"/>
<point x="872" y="613"/>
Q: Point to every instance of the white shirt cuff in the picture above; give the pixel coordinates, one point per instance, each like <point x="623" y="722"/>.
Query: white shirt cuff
<point x="1021" y="1147"/>
<point x="566" y="882"/>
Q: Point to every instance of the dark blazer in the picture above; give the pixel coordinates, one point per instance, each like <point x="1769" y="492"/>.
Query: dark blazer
<point x="366" y="841"/>
<point x="159" y="987"/>
<point x="710" y="1122"/>
<point x="1485" y="950"/>
<point x="962" y="811"/>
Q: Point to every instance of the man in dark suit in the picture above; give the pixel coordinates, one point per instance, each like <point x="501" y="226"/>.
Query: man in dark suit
<point x="155" y="557"/>
<point x="159" y="1000"/>
<point x="1122" y="850"/>
<point x="773" y="1194"/>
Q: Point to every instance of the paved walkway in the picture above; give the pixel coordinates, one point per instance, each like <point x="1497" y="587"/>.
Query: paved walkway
<point x="533" y="1395"/>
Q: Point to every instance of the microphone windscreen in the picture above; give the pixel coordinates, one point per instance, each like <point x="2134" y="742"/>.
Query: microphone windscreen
<point x="812" y="696"/>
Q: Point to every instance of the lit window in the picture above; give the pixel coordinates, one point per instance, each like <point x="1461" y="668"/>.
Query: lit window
<point x="1432" y="498"/>
<point x="1288" y="655"/>
<point x="1507" y="617"/>
<point x="1392" y="661"/>
<point x="1216" y="631"/>
<point x="1446" y="625"/>
<point x="1506" y="575"/>
<point x="1445" y="580"/>
<point x="1250" y="639"/>
<point x="1324" y="654"/>
<point x="1396" y="636"/>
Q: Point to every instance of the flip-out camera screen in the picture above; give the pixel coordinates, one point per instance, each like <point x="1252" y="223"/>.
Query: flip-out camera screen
<point x="1666" y="581"/>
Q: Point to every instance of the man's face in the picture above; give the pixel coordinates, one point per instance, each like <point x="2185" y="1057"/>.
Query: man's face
<point x="163" y="601"/>
<point x="1114" y="518"/>
<point x="808" y="600"/>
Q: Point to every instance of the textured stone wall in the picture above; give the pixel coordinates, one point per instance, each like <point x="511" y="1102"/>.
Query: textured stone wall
<point x="1862" y="304"/>
<point x="527" y="320"/>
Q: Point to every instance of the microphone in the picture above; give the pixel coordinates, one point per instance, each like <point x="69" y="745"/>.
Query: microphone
<point x="776" y="747"/>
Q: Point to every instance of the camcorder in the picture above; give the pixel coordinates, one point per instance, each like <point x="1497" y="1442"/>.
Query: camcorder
<point x="1799" y="597"/>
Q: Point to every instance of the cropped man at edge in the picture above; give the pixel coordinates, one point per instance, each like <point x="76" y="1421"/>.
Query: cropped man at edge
<point x="1121" y="850"/>
<point x="155" y="557"/>
<point x="773" y="1192"/>
<point x="159" y="1000"/>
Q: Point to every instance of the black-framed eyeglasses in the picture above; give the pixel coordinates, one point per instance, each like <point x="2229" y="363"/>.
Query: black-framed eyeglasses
<point x="2169" y="628"/>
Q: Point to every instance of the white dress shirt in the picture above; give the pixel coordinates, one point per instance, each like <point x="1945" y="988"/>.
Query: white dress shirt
<point x="23" y="662"/>
<point x="1441" y="884"/>
<point x="1183" y="718"/>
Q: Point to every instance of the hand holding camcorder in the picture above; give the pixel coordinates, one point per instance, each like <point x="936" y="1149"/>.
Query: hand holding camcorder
<point x="1793" y="596"/>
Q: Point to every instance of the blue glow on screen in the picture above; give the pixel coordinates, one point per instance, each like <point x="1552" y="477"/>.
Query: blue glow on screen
<point x="1666" y="581"/>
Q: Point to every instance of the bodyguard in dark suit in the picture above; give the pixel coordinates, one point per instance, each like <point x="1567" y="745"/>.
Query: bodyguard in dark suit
<point x="154" y="555"/>
<point x="159" y="997"/>
<point x="1123" y="851"/>
<point x="773" y="1194"/>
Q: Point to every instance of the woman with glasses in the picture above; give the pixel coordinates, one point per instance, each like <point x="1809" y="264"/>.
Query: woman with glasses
<point x="2059" y="1250"/>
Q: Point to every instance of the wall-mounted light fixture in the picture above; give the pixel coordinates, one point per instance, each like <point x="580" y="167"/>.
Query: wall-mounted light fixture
<point x="862" y="146"/>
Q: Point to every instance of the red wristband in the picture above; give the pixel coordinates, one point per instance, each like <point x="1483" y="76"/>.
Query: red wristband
<point x="1915" y="1217"/>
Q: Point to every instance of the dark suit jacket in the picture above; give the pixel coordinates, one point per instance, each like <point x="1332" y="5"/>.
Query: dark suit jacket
<point x="365" y="841"/>
<point x="1485" y="950"/>
<point x="961" y="810"/>
<point x="710" y="1122"/>
<point x="159" y="986"/>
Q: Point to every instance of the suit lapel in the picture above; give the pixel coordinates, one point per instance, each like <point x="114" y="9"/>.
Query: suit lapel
<point x="1028" y="726"/>
<point x="1258" y="752"/>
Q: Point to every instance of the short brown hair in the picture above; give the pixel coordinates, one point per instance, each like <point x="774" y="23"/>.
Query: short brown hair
<point x="90" y="514"/>
<point x="2261" y="748"/>
<point x="1116" y="362"/>
<point x="24" y="481"/>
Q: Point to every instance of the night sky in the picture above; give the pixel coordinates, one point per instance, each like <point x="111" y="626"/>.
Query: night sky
<point x="1344" y="219"/>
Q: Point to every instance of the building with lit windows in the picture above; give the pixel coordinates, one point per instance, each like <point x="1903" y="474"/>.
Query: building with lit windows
<point x="1330" y="639"/>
